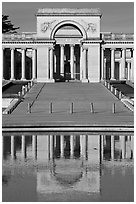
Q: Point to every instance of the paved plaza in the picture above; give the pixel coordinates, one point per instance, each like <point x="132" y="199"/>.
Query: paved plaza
<point x="62" y="95"/>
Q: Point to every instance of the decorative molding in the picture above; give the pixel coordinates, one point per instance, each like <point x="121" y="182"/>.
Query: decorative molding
<point x="46" y="25"/>
<point x="92" y="27"/>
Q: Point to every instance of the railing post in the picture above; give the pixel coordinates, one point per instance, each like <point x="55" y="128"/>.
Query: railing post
<point x="50" y="107"/>
<point x="92" y="107"/>
<point x="113" y="108"/>
<point x="29" y="108"/>
<point x="71" y="108"/>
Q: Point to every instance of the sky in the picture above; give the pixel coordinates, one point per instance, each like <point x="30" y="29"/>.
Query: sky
<point x="116" y="16"/>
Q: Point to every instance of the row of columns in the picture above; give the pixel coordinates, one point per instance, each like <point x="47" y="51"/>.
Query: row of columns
<point x="82" y="144"/>
<point x="23" y="146"/>
<point x="23" y="63"/>
<point x="83" y="62"/>
<point x="126" y="147"/>
<point x="122" y="65"/>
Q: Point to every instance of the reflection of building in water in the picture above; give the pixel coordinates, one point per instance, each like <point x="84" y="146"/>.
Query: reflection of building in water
<point x="68" y="167"/>
<point x="73" y="160"/>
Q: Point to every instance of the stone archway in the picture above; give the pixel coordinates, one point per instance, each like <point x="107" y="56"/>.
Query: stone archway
<point x="67" y="50"/>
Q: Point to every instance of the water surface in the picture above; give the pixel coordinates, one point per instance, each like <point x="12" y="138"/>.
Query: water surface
<point x="67" y="167"/>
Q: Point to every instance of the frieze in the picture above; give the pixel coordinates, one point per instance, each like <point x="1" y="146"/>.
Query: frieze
<point x="46" y="25"/>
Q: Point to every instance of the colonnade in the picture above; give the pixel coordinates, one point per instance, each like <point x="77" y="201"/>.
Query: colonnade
<point x="122" y="65"/>
<point x="72" y="140"/>
<point x="83" y="63"/>
<point x="125" y="146"/>
<point x="23" y="63"/>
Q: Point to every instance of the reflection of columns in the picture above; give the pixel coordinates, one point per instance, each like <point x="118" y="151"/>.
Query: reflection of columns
<point x="112" y="147"/>
<point x="12" y="147"/>
<point x="62" y="145"/>
<point x="102" y="147"/>
<point x="128" y="77"/>
<point x="123" y="146"/>
<point x="34" y="146"/>
<point x="72" y="60"/>
<point x="112" y="63"/>
<point x="51" y="146"/>
<point x="12" y="63"/>
<point x="72" y="145"/>
<point x="62" y="60"/>
<point x="23" y="64"/>
<point x="123" y="63"/>
<point x="102" y="64"/>
<point x="23" y="148"/>
<point x="132" y="144"/>
<point x="81" y="65"/>
<point x="34" y="64"/>
<point x="81" y="146"/>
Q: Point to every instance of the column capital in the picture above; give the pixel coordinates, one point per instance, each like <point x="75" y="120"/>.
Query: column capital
<point x="62" y="45"/>
<point x="72" y="45"/>
<point x="112" y="48"/>
<point x="103" y="48"/>
<point x="23" y="48"/>
<point x="12" y="48"/>
<point x="124" y="48"/>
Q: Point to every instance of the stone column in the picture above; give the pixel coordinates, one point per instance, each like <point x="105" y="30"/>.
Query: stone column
<point x="62" y="145"/>
<point x="123" y="63"/>
<point x="62" y="60"/>
<point x="104" y="69"/>
<point x="12" y="64"/>
<point x="84" y="63"/>
<point x="128" y="76"/>
<point x="2" y="63"/>
<point x="72" y="145"/>
<point x="102" y="63"/>
<point x="81" y="64"/>
<point x="23" y="64"/>
<point x="112" y="63"/>
<point x="72" y="60"/>
<point x="34" y="64"/>
<point x="132" y="67"/>
<point x="112" y="147"/>
<point x="51" y="63"/>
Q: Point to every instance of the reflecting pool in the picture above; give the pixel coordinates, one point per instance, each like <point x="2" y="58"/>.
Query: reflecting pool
<point x="67" y="167"/>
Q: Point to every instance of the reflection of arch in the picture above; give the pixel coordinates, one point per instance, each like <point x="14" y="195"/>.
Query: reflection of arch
<point x="66" y="172"/>
<point x="63" y="23"/>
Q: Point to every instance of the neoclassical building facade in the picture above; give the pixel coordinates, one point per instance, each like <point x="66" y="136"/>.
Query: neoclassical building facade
<point x="68" y="45"/>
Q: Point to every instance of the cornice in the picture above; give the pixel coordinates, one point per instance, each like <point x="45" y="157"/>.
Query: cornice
<point x="68" y="12"/>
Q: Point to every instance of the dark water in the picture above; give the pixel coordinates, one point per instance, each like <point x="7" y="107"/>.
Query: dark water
<point x="64" y="167"/>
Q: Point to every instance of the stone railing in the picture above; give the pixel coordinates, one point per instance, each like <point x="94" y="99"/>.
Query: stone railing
<point x="117" y="36"/>
<point x="19" y="36"/>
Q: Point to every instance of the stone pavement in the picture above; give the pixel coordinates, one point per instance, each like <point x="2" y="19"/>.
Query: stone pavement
<point x="61" y="95"/>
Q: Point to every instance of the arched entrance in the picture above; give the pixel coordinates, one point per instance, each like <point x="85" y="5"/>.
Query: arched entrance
<point x="67" y="52"/>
